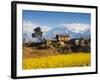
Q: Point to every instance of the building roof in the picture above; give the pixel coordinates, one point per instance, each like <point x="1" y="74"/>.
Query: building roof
<point x="61" y="35"/>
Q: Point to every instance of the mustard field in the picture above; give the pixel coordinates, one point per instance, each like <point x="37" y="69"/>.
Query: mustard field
<point x="57" y="61"/>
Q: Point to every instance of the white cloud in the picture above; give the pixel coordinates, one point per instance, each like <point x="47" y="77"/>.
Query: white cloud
<point x="29" y="26"/>
<point x="77" y="27"/>
<point x="45" y="28"/>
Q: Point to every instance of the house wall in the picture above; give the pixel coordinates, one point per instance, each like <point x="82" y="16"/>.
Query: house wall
<point x="63" y="38"/>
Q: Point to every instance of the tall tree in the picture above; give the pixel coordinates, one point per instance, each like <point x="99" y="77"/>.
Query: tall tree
<point x="37" y="33"/>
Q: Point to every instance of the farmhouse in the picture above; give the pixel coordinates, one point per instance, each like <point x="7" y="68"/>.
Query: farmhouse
<point x="62" y="38"/>
<point x="78" y="41"/>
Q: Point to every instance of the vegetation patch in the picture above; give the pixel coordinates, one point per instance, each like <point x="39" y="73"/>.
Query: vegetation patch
<point x="58" y="61"/>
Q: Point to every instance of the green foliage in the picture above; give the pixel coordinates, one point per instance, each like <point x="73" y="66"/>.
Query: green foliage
<point x="38" y="32"/>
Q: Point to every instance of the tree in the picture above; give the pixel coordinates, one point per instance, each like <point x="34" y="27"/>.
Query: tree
<point x="38" y="32"/>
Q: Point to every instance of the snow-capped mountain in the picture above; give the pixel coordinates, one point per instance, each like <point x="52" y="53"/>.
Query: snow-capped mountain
<point x="58" y="30"/>
<point x="63" y="30"/>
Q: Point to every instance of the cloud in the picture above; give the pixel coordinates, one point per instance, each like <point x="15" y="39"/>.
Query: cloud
<point x="45" y="28"/>
<point x="29" y="26"/>
<point x="77" y="27"/>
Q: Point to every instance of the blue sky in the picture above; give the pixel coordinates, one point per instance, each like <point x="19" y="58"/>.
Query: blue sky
<point x="55" y="19"/>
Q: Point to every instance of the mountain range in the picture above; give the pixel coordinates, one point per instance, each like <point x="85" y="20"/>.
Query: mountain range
<point x="58" y="30"/>
<point x="64" y="31"/>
